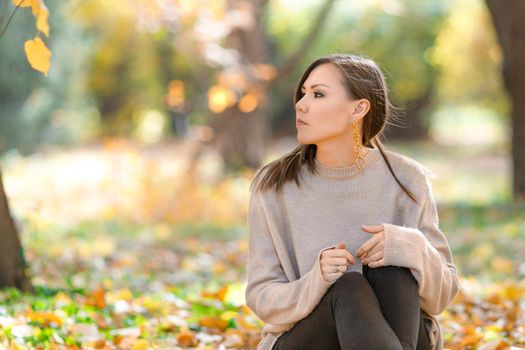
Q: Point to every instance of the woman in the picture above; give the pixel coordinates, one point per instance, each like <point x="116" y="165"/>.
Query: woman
<point x="345" y="251"/>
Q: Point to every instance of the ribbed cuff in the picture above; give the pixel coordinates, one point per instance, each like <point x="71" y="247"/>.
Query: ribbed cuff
<point x="403" y="245"/>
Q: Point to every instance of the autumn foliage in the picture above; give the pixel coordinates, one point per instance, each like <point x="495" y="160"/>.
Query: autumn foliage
<point x="36" y="50"/>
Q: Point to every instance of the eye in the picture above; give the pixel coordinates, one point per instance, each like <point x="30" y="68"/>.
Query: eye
<point x="318" y="93"/>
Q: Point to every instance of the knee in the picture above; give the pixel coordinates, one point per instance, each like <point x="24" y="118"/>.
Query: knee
<point x="349" y="280"/>
<point x="394" y="275"/>
<point x="350" y="283"/>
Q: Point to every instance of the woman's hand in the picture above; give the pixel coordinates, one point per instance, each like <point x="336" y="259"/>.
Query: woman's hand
<point x="372" y="252"/>
<point x="334" y="262"/>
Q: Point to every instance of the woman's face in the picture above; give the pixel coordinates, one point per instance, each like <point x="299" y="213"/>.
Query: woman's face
<point x="325" y="107"/>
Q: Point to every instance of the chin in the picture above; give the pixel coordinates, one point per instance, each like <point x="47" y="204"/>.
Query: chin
<point x="301" y="141"/>
<point x="306" y="141"/>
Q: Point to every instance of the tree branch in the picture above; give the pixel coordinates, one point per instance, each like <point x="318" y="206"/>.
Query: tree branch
<point x="10" y="17"/>
<point x="292" y="60"/>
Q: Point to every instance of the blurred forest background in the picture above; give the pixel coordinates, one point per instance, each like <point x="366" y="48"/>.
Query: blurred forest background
<point x="125" y="169"/>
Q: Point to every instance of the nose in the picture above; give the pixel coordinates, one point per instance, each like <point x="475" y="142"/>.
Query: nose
<point x="299" y="107"/>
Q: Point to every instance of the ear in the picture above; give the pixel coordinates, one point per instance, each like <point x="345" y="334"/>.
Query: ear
<point x="360" y="108"/>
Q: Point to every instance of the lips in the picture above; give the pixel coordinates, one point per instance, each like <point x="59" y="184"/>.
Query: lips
<point x="300" y="122"/>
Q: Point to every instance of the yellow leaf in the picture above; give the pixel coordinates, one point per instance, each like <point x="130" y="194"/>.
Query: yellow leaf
<point x="219" y="295"/>
<point x="155" y="307"/>
<point x="43" y="317"/>
<point x="40" y="12"/>
<point x="62" y="298"/>
<point x="96" y="344"/>
<point x="14" y="346"/>
<point x="512" y="292"/>
<point x="97" y="298"/>
<point x="219" y="268"/>
<point x="469" y="339"/>
<point x="140" y="344"/>
<point x="41" y="20"/>
<point x="243" y="323"/>
<point x="124" y="294"/>
<point x="36" y="6"/>
<point x="213" y="322"/>
<point x="37" y="54"/>
<point x="228" y="315"/>
<point x="23" y="3"/>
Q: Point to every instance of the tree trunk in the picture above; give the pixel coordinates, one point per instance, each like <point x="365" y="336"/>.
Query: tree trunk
<point x="240" y="137"/>
<point x="507" y="17"/>
<point x="12" y="261"/>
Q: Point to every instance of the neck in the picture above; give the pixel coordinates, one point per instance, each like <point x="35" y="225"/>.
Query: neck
<point x="332" y="159"/>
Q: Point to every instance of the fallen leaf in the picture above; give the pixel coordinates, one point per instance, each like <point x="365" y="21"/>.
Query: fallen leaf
<point x="186" y="338"/>
<point x="45" y="318"/>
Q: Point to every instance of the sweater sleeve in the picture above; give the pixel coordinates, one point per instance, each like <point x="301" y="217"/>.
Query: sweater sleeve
<point x="426" y="252"/>
<point x="269" y="293"/>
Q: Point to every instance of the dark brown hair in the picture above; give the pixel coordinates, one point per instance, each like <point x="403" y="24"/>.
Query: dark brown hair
<point x="362" y="79"/>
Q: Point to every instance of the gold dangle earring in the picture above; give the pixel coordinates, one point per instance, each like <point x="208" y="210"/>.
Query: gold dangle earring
<point x="358" y="147"/>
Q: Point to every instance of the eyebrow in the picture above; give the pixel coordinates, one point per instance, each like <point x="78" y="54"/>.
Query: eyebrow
<point x="314" y="85"/>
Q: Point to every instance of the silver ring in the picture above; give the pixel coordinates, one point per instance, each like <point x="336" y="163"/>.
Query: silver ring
<point x="335" y="269"/>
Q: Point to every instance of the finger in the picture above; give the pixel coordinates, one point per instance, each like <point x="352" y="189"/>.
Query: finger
<point x="372" y="229"/>
<point x="373" y="258"/>
<point x="334" y="254"/>
<point x="365" y="247"/>
<point x="349" y="257"/>
<point x="379" y="247"/>
<point x="379" y="263"/>
<point x="342" y="253"/>
<point x="337" y="253"/>
<point x="341" y="245"/>
<point x="330" y="270"/>
<point x="336" y="261"/>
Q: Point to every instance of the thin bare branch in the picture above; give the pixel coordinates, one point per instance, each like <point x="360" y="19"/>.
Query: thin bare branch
<point x="292" y="60"/>
<point x="10" y="17"/>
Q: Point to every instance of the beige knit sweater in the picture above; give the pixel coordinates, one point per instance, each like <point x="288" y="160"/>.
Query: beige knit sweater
<point x="288" y="230"/>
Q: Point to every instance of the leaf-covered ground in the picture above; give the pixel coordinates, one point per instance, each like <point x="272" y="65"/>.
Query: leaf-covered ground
<point x="126" y="253"/>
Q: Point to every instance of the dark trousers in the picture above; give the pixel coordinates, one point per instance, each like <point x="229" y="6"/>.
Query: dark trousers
<point x="378" y="309"/>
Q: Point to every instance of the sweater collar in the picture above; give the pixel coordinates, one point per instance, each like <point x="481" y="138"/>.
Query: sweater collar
<point x="371" y="158"/>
